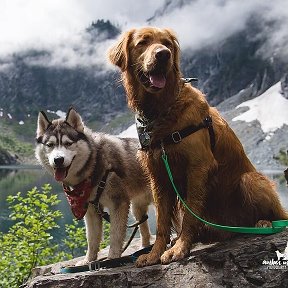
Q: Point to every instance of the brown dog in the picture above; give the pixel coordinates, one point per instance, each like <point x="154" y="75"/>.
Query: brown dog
<point x="221" y="186"/>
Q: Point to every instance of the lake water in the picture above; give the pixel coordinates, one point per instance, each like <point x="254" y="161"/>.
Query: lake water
<point x="14" y="179"/>
<point x="23" y="178"/>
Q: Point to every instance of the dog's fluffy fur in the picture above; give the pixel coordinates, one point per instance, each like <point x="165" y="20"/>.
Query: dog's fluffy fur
<point x="85" y="154"/>
<point x="220" y="186"/>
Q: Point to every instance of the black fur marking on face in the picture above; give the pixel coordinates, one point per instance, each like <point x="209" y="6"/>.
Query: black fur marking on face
<point x="39" y="140"/>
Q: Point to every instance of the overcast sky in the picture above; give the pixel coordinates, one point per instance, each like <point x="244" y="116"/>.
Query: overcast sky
<point x="58" y="25"/>
<point x="36" y="23"/>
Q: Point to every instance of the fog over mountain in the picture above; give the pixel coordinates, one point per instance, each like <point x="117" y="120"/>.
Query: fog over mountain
<point x="53" y="53"/>
<point x="59" y="26"/>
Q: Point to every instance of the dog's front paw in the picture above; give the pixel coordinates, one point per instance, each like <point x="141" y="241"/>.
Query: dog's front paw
<point x="147" y="260"/>
<point x="263" y="223"/>
<point x="82" y="262"/>
<point x="175" y="253"/>
<point x="114" y="254"/>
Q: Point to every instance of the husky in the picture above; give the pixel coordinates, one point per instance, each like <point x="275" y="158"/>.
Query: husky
<point x="78" y="157"/>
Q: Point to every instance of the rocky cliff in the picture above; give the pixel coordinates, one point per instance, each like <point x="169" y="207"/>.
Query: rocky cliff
<point x="247" y="261"/>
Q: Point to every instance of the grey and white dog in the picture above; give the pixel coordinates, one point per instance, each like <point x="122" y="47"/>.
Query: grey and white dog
<point x="74" y="154"/>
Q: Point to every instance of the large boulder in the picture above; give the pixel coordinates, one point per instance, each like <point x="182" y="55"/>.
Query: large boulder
<point x="246" y="261"/>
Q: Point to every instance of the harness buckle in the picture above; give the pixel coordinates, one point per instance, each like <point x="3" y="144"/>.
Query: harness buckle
<point x="208" y="121"/>
<point x="94" y="266"/>
<point x="176" y="137"/>
<point x="102" y="184"/>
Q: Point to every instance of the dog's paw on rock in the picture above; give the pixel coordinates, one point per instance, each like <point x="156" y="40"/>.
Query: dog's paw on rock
<point x="147" y="260"/>
<point x="82" y="262"/>
<point x="174" y="254"/>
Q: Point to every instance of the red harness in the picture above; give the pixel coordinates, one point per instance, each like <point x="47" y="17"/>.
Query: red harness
<point x="78" y="197"/>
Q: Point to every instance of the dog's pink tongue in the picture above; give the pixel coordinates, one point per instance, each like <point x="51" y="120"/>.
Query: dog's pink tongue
<point x="158" y="81"/>
<point x="60" y="174"/>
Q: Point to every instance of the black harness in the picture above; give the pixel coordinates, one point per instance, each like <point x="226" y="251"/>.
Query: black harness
<point x="144" y="133"/>
<point x="96" y="203"/>
<point x="144" y="128"/>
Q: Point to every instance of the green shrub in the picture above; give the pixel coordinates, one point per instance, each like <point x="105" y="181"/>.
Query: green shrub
<point x="29" y="242"/>
<point x="75" y="239"/>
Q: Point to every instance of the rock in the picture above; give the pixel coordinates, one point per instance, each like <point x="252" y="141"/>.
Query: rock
<point x="245" y="261"/>
<point x="6" y="158"/>
<point x="261" y="148"/>
<point x="284" y="85"/>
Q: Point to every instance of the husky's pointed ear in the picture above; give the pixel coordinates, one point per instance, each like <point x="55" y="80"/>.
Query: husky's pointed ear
<point x="119" y="53"/>
<point x="74" y="120"/>
<point x="42" y="124"/>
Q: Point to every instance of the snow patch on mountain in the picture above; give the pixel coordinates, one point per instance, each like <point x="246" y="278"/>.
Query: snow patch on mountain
<point x="270" y="109"/>
<point x="130" y="132"/>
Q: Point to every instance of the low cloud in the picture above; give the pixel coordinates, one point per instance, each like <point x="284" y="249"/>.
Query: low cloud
<point x="59" y="27"/>
<point x="203" y="22"/>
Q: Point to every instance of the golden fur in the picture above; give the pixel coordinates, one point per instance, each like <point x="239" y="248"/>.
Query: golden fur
<point x="220" y="186"/>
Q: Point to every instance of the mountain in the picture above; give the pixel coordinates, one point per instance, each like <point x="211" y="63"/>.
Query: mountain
<point x="27" y="87"/>
<point x="232" y="70"/>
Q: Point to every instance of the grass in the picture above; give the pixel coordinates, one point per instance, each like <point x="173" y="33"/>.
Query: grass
<point x="11" y="142"/>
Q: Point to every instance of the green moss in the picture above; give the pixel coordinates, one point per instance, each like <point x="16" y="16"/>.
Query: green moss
<point x="282" y="157"/>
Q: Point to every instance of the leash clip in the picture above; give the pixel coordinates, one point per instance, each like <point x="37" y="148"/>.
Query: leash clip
<point x="163" y="150"/>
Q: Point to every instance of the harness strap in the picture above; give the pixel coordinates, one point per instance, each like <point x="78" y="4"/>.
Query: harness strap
<point x="96" y="203"/>
<point x="177" y="136"/>
<point x="106" y="216"/>
<point x="136" y="227"/>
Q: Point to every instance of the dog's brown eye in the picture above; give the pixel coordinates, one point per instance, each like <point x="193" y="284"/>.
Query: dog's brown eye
<point x="167" y="43"/>
<point x="67" y="144"/>
<point x="142" y="42"/>
<point x="50" y="145"/>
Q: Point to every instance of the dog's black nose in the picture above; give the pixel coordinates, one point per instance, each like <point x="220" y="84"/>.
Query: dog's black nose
<point x="162" y="54"/>
<point x="59" y="161"/>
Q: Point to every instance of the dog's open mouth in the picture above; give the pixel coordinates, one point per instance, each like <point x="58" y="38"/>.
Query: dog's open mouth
<point x="157" y="79"/>
<point x="61" y="173"/>
<point x="154" y="79"/>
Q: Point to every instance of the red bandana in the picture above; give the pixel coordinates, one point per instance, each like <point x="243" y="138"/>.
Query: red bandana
<point x="77" y="198"/>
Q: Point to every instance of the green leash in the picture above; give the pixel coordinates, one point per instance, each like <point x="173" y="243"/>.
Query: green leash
<point x="277" y="226"/>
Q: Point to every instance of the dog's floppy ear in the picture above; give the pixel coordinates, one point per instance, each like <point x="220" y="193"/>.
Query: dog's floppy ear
<point x="176" y="46"/>
<point x="42" y="124"/>
<point x="74" y="120"/>
<point x="119" y="53"/>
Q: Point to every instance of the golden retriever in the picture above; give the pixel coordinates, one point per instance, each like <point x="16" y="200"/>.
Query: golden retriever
<point x="219" y="183"/>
